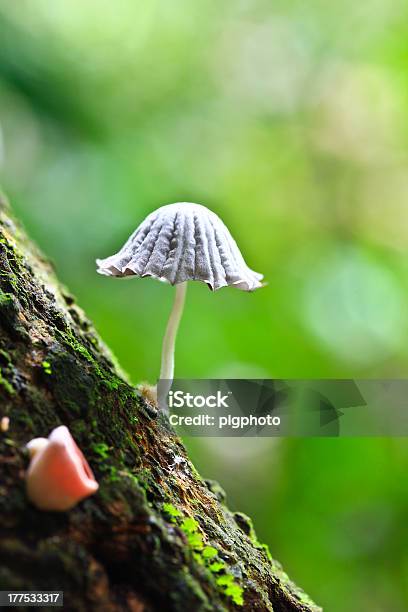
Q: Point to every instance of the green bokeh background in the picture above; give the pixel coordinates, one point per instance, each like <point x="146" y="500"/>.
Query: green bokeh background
<point x="290" y="120"/>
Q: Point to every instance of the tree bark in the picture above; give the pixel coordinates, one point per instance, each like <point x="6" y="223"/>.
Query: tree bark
<point x="133" y="545"/>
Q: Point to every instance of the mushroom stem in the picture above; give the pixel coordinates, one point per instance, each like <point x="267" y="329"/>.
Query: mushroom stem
<point x="169" y="341"/>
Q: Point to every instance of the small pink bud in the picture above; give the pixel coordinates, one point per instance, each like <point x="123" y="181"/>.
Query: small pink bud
<point x="58" y="476"/>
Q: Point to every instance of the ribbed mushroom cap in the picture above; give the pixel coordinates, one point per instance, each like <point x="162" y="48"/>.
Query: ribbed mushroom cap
<point x="182" y="242"/>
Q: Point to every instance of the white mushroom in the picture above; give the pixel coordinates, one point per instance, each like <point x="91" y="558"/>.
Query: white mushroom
<point x="177" y="243"/>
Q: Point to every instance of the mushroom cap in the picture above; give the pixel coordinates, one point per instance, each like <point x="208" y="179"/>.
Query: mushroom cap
<point x="181" y="242"/>
<point x="58" y="476"/>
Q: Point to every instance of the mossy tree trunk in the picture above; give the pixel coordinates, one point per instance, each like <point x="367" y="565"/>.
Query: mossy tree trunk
<point x="156" y="535"/>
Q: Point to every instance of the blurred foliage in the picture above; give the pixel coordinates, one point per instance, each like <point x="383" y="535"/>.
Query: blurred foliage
<point x="291" y="122"/>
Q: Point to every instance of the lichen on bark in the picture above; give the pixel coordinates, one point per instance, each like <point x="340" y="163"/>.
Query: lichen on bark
<point x="156" y="536"/>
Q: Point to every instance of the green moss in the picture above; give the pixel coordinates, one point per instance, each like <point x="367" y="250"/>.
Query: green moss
<point x="10" y="442"/>
<point x="112" y="385"/>
<point x="209" y="552"/>
<point x="172" y="511"/>
<point x="5" y="298"/>
<point x="6" y="385"/>
<point x="69" y="339"/>
<point x="113" y="474"/>
<point x="207" y="556"/>
<point x="82" y="350"/>
<point x="11" y="279"/>
<point x="6" y="357"/>
<point x="231" y="588"/>
<point x="111" y="382"/>
<point x="46" y="366"/>
<point x="225" y="580"/>
<point x="198" y="558"/>
<point x="195" y="540"/>
<point x="101" y="449"/>
<point x="217" y="566"/>
<point x="189" y="525"/>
